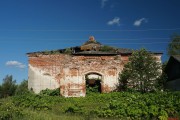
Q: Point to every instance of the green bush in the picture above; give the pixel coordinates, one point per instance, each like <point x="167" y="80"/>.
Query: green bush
<point x="68" y="51"/>
<point x="49" y="92"/>
<point x="9" y="111"/>
<point x="116" y="105"/>
<point x="32" y="101"/>
<point x="142" y="106"/>
<point x="90" y="90"/>
<point x="106" y="48"/>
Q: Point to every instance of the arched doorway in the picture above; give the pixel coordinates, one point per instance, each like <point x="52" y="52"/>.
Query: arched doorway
<point x="93" y="82"/>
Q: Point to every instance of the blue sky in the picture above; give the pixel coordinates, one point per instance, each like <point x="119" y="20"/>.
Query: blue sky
<point x="35" y="25"/>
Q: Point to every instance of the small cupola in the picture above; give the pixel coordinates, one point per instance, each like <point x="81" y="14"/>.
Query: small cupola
<point x="92" y="39"/>
<point x="91" y="45"/>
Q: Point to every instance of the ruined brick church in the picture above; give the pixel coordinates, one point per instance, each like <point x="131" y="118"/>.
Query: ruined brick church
<point x="74" y="68"/>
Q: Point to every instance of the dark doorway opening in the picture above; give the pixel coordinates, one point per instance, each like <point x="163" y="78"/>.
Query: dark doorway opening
<point x="93" y="83"/>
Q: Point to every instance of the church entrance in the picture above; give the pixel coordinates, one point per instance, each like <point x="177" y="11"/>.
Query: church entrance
<point x="93" y="83"/>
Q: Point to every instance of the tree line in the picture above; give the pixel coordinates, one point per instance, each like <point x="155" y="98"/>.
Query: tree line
<point x="10" y="88"/>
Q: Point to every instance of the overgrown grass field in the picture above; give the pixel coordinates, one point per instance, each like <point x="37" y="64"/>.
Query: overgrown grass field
<point x="116" y="105"/>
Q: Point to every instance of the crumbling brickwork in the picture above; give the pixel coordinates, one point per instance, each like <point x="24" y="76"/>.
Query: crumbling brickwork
<point x="69" y="72"/>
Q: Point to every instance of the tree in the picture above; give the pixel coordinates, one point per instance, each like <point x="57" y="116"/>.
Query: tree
<point x="141" y="72"/>
<point x="163" y="78"/>
<point x="0" y="91"/>
<point x="22" y="88"/>
<point x="8" y="87"/>
<point x="174" y="45"/>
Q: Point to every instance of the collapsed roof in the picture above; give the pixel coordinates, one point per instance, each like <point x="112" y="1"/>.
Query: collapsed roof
<point x="90" y="47"/>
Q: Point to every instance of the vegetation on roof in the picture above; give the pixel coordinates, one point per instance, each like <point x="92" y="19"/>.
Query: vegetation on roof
<point x="125" y="50"/>
<point x="68" y="51"/>
<point x="52" y="52"/>
<point x="106" y="48"/>
<point x="90" y="42"/>
<point x="103" y="48"/>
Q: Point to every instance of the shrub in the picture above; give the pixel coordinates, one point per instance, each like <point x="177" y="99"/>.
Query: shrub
<point x="117" y="105"/>
<point x="106" y="48"/>
<point x="48" y="92"/>
<point x="68" y="51"/>
<point x="9" y="111"/>
<point x="94" y="89"/>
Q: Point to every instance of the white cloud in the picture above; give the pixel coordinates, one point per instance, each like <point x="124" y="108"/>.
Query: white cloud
<point x="140" y="21"/>
<point x="115" y="21"/>
<point x="103" y="3"/>
<point x="15" y="64"/>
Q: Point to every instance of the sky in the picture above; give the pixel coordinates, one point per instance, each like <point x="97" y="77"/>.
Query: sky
<point x="37" y="25"/>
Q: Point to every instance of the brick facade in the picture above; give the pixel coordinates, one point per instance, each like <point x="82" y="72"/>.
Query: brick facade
<point x="68" y="71"/>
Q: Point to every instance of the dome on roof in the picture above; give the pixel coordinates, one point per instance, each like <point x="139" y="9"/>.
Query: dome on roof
<point x="91" y="38"/>
<point x="91" y="44"/>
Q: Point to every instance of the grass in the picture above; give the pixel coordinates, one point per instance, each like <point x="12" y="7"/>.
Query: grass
<point x="117" y="105"/>
<point x="51" y="115"/>
<point x="47" y="115"/>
